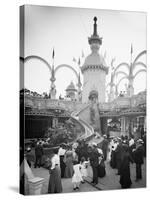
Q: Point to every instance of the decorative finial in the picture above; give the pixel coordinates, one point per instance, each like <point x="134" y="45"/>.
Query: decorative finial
<point x="95" y="19"/>
<point x="95" y="26"/>
<point x="95" y="37"/>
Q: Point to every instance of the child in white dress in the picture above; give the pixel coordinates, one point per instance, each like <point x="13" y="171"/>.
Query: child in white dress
<point x="84" y="165"/>
<point x="77" y="176"/>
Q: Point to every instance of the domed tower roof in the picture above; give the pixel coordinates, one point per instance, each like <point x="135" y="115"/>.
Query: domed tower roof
<point x="94" y="60"/>
<point x="71" y="87"/>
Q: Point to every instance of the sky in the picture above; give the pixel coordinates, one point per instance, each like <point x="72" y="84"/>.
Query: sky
<point x="67" y="31"/>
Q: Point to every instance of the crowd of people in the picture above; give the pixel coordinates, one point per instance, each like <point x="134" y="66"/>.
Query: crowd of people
<point x="72" y="161"/>
<point x="44" y="95"/>
<point x="123" y="152"/>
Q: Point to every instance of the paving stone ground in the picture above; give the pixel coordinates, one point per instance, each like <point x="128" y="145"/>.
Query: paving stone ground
<point x="109" y="182"/>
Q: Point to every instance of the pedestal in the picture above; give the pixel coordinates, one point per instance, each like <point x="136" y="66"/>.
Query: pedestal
<point x="35" y="185"/>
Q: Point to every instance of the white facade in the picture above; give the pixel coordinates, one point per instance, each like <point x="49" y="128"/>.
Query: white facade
<point x="94" y="70"/>
<point x="94" y="79"/>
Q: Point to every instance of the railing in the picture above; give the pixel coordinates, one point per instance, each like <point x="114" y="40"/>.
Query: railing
<point x="41" y="103"/>
<point x="87" y="125"/>
<point x="83" y="109"/>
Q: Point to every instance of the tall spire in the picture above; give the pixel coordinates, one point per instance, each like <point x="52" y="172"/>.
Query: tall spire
<point x="95" y="26"/>
<point x="95" y="37"/>
<point x="79" y="81"/>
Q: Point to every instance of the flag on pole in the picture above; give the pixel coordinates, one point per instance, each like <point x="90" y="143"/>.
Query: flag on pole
<point x="74" y="60"/>
<point x="79" y="62"/>
<point x="131" y="49"/>
<point x="82" y="54"/>
<point x="53" y="53"/>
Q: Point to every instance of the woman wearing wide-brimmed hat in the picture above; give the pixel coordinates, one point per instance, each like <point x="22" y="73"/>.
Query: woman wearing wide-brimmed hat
<point x="55" y="185"/>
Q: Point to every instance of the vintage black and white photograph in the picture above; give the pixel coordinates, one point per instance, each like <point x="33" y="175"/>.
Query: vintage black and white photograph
<point x="82" y="100"/>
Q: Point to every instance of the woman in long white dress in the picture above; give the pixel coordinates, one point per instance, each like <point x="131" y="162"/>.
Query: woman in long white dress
<point x="77" y="176"/>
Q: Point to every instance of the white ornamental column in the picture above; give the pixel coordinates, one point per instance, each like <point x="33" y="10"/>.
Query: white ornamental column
<point x="35" y="183"/>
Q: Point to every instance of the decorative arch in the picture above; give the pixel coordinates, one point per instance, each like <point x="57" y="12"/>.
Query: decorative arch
<point x="93" y="94"/>
<point x="121" y="72"/>
<point x="139" y="63"/>
<point x="39" y="58"/>
<point x="121" y="80"/>
<point x="122" y="64"/>
<point x="142" y="70"/>
<point x="139" y="55"/>
<point x="67" y="66"/>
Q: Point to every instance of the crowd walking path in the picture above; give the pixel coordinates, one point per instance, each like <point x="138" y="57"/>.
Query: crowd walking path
<point x="109" y="182"/>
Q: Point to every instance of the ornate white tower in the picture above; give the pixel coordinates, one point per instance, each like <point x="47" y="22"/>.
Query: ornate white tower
<point x="94" y="70"/>
<point x="71" y="91"/>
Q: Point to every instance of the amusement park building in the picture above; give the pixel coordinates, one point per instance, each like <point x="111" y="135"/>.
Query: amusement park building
<point x="90" y="109"/>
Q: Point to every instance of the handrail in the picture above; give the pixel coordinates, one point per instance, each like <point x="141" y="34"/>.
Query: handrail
<point x="75" y="113"/>
<point x="89" y="131"/>
<point x="83" y="109"/>
<point x="89" y="126"/>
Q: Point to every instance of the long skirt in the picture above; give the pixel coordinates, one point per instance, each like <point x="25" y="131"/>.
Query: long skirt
<point x="101" y="169"/>
<point x="125" y="179"/>
<point x="69" y="169"/>
<point x="62" y="166"/>
<point x="55" y="185"/>
<point x="113" y="160"/>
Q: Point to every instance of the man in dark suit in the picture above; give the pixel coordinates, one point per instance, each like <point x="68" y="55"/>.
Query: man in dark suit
<point x="118" y="153"/>
<point x="105" y="146"/>
<point x="38" y="155"/>
<point x="94" y="161"/>
<point x="138" y="155"/>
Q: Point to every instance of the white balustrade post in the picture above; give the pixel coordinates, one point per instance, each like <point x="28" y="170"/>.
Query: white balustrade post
<point x="35" y="185"/>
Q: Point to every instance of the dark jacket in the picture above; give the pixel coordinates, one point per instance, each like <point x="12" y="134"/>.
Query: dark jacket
<point x="138" y="155"/>
<point x="105" y="144"/>
<point x="119" y="151"/>
<point x="39" y="150"/>
<point x="125" y="179"/>
<point x="94" y="158"/>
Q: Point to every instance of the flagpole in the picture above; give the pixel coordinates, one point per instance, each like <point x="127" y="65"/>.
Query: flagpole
<point x="131" y="53"/>
<point x="79" y="62"/>
<point x="53" y="55"/>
